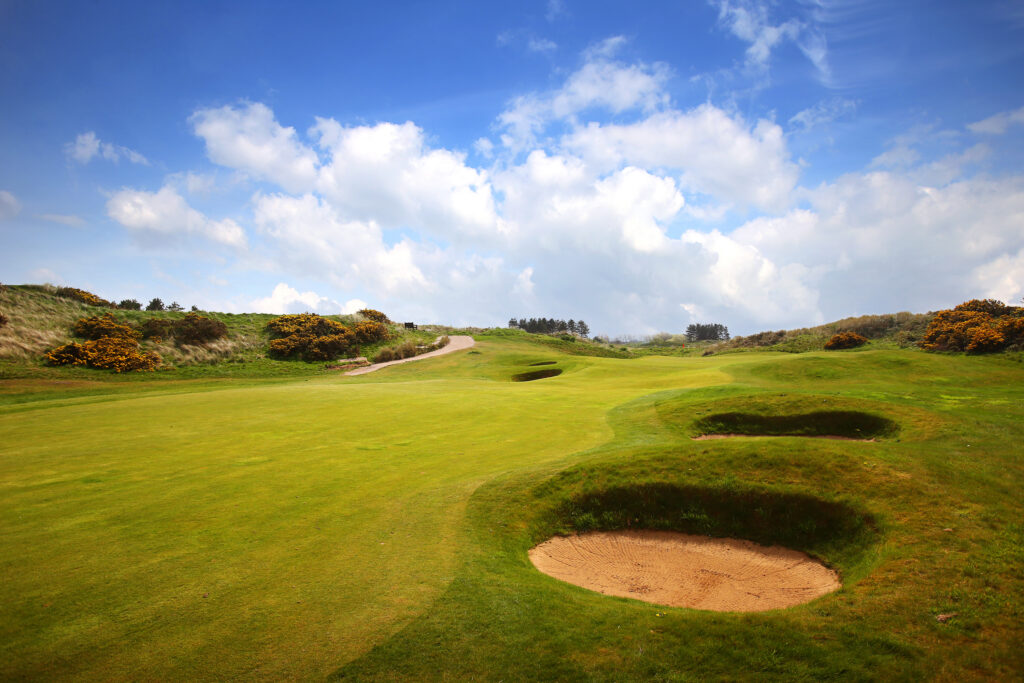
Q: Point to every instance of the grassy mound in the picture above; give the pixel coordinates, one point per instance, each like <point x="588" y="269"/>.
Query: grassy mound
<point x="192" y="346"/>
<point x="799" y="521"/>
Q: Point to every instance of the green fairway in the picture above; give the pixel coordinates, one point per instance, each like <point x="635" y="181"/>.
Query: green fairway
<point x="377" y="526"/>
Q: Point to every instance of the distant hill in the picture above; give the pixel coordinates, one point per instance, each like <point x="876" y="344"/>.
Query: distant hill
<point x="38" y="320"/>
<point x="902" y="329"/>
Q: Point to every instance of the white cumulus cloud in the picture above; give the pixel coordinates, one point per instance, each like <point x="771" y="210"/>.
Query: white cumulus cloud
<point x="287" y="299"/>
<point x="716" y="154"/>
<point x="87" y="146"/>
<point x="309" y="236"/>
<point x="166" y="213"/>
<point x="248" y="138"/>
<point x="387" y="173"/>
<point x="997" y="124"/>
<point x="880" y="237"/>
<point x="600" y="84"/>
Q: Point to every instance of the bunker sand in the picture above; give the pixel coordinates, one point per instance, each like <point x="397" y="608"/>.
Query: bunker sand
<point x="682" y="570"/>
<point x="455" y="343"/>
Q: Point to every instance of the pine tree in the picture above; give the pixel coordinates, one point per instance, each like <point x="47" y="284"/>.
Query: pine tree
<point x="583" y="328"/>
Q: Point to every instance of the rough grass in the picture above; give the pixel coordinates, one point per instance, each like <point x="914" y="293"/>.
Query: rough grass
<point x="833" y="531"/>
<point x="41" y="321"/>
<point x="376" y="527"/>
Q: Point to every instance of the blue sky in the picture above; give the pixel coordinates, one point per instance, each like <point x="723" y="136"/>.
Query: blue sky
<point x="638" y="165"/>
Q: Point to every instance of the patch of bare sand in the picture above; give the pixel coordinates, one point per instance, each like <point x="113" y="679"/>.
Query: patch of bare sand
<point x="681" y="570"/>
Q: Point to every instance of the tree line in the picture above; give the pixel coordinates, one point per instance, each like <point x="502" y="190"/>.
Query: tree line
<point x="155" y="304"/>
<point x="550" y="326"/>
<point x="708" y="331"/>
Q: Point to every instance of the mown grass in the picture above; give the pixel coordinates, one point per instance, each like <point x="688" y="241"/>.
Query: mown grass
<point x="376" y="527"/>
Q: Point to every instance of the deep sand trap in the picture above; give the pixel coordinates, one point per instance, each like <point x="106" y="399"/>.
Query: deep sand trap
<point x="669" y="568"/>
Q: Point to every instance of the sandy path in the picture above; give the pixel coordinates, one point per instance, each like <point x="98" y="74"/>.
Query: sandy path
<point x="455" y="343"/>
<point x="669" y="568"/>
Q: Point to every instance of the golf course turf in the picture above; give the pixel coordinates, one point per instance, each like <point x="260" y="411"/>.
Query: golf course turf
<point x="378" y="527"/>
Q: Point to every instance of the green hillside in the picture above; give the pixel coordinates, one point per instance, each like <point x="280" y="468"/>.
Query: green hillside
<point x="195" y="524"/>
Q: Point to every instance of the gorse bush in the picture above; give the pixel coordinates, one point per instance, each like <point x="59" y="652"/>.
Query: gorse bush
<point x="976" y="326"/>
<point x="370" y="332"/>
<point x="309" y="347"/>
<point x="303" y="323"/>
<point x="374" y="315"/>
<point x="993" y="307"/>
<point x="99" y="326"/>
<point x="845" y="340"/>
<point x="112" y="345"/>
<point x="196" y="329"/>
<point x="310" y="337"/>
<point x="157" y="329"/>
<point x="119" y="354"/>
<point x="82" y="295"/>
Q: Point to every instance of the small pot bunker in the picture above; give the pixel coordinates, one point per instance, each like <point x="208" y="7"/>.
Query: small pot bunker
<point x="533" y="375"/>
<point x="851" y="425"/>
<point x="647" y="549"/>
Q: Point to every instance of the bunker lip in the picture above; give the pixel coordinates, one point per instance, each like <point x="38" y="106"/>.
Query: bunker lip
<point x="845" y="425"/>
<point x="543" y="362"/>
<point x="684" y="570"/>
<point x="536" y="374"/>
<point x="834" y="437"/>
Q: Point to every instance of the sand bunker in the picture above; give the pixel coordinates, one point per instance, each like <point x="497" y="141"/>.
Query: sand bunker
<point x="834" y="437"/>
<point x="534" y="375"/>
<point x="669" y="568"/>
<point x="848" y="425"/>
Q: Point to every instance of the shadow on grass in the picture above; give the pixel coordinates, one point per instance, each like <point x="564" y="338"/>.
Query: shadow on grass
<point x="850" y="424"/>
<point x="536" y="374"/>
